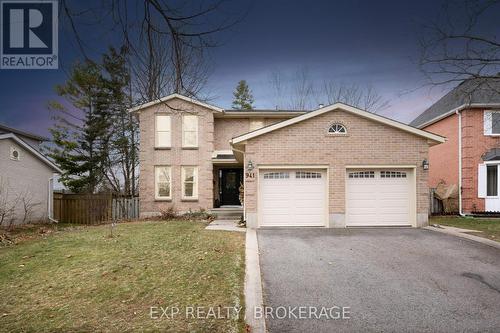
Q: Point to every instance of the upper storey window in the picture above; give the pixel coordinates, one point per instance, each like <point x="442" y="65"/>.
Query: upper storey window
<point x="190" y="131"/>
<point x="491" y="122"/>
<point x="163" y="133"/>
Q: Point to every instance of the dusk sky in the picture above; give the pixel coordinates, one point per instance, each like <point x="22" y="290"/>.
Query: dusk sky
<point x="361" y="42"/>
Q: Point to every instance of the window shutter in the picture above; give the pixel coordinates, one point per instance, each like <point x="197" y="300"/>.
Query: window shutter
<point x="481" y="181"/>
<point x="487" y="122"/>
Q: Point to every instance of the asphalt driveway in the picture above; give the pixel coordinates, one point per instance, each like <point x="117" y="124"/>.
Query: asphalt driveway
<point x="390" y="280"/>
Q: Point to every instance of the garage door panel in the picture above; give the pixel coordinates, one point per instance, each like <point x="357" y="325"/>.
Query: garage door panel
<point x="378" y="200"/>
<point x="292" y="201"/>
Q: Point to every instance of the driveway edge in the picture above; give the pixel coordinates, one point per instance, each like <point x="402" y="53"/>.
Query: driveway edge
<point x="478" y="239"/>
<point x="253" y="283"/>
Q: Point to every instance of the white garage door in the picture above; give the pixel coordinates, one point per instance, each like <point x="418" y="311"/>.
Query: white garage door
<point x="378" y="198"/>
<point x="292" y="197"/>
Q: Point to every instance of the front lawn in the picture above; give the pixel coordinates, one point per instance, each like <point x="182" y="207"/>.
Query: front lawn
<point x="490" y="227"/>
<point x="81" y="279"/>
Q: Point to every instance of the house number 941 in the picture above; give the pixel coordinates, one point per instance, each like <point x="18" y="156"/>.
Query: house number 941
<point x="250" y="175"/>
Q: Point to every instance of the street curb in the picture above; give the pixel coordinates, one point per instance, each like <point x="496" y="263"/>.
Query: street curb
<point x="481" y="240"/>
<point x="253" y="283"/>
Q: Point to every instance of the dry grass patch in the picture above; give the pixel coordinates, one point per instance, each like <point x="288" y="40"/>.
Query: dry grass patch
<point x="83" y="280"/>
<point x="490" y="227"/>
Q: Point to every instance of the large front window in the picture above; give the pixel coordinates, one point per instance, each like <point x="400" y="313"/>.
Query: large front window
<point x="492" y="180"/>
<point x="163" y="183"/>
<point x="189" y="182"/>
<point x="190" y="131"/>
<point x="163" y="131"/>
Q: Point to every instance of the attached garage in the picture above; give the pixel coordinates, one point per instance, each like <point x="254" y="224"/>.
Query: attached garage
<point x="336" y="167"/>
<point x="293" y="197"/>
<point x="379" y="197"/>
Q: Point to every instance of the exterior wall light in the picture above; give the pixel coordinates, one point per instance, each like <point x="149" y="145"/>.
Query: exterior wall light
<point x="250" y="166"/>
<point x="425" y="165"/>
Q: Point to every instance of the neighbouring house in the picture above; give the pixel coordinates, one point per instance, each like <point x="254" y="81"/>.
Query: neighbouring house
<point x="336" y="166"/>
<point x="469" y="117"/>
<point x="26" y="178"/>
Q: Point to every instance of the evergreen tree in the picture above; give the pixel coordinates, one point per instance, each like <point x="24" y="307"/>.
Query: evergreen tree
<point x="81" y="133"/>
<point x="243" y="99"/>
<point x="123" y="159"/>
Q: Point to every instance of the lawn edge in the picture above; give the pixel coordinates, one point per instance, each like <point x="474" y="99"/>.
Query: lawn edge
<point x="478" y="239"/>
<point x="253" y="283"/>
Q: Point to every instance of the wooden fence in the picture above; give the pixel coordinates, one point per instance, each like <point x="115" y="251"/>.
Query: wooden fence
<point x="124" y="208"/>
<point x="93" y="208"/>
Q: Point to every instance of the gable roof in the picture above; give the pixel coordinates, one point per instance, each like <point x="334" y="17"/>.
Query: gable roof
<point x="32" y="150"/>
<point x="8" y="129"/>
<point x="343" y="107"/>
<point x="172" y="96"/>
<point x="480" y="92"/>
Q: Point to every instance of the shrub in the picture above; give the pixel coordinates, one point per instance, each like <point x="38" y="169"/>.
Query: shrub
<point x="168" y="214"/>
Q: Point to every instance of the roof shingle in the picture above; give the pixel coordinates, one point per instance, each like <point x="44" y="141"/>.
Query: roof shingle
<point x="472" y="91"/>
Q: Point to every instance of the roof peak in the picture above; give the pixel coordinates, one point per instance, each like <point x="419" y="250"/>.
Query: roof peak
<point x="22" y="133"/>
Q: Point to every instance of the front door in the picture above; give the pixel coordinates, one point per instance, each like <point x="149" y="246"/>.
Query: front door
<point x="230" y="186"/>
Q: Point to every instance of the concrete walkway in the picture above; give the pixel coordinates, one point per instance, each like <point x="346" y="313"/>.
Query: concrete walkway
<point x="464" y="233"/>
<point x="225" y="225"/>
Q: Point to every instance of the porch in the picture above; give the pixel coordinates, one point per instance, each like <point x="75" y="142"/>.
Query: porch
<point x="228" y="186"/>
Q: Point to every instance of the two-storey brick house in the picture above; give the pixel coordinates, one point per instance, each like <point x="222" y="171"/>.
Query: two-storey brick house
<point x="335" y="166"/>
<point x="469" y="117"/>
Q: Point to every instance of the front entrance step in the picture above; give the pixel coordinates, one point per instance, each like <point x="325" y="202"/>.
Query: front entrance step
<point x="228" y="213"/>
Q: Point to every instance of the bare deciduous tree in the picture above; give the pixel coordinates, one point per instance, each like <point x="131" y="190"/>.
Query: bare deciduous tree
<point x="28" y="205"/>
<point x="293" y="91"/>
<point x="8" y="205"/>
<point x="298" y="91"/>
<point x="455" y="46"/>
<point x="366" y="98"/>
<point x="167" y="40"/>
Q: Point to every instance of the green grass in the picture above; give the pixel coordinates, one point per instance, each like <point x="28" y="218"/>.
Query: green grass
<point x="80" y="279"/>
<point x="490" y="227"/>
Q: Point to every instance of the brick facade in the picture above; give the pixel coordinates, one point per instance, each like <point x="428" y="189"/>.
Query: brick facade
<point x="474" y="145"/>
<point x="149" y="157"/>
<point x="367" y="143"/>
<point x="214" y="133"/>
<point x="444" y="157"/>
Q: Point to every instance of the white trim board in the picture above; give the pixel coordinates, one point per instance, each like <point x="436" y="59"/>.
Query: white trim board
<point x="32" y="150"/>
<point x="458" y="109"/>
<point x="343" y="107"/>
<point x="172" y="96"/>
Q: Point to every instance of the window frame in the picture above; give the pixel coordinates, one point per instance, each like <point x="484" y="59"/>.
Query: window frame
<point x="184" y="131"/>
<point x="337" y="133"/>
<point x="195" y="182"/>
<point x="157" y="143"/>
<point x="497" y="186"/>
<point x="488" y="122"/>
<point x="156" y="179"/>
<point x="11" y="154"/>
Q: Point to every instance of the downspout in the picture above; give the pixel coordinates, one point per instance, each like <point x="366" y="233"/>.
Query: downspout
<point x="459" y="115"/>
<point x="50" y="202"/>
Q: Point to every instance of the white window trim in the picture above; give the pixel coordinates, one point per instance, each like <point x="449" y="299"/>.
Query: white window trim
<point x="11" y="154"/>
<point x="487" y="122"/>
<point x="486" y="180"/>
<point x="184" y="144"/>
<point x="195" y="182"/>
<point x="337" y="133"/>
<point x="157" y="145"/>
<point x="157" y="167"/>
